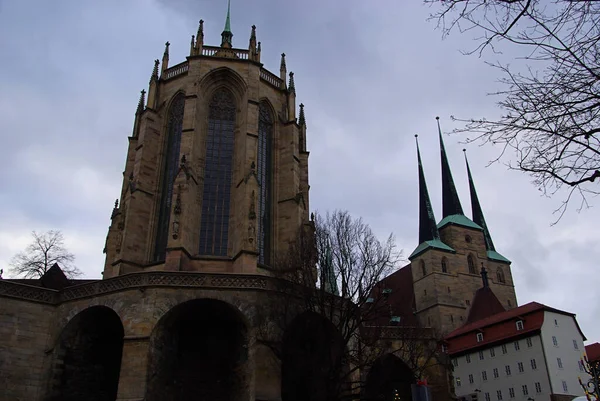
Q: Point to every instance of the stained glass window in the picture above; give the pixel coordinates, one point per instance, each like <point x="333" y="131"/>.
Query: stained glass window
<point x="265" y="138"/>
<point x="170" y="165"/>
<point x="214" y="226"/>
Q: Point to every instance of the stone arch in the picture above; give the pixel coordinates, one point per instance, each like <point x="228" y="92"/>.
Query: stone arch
<point x="500" y="276"/>
<point x="223" y="77"/>
<point x="471" y="264"/>
<point x="87" y="357"/>
<point x="199" y="350"/>
<point x="312" y="359"/>
<point x="389" y="375"/>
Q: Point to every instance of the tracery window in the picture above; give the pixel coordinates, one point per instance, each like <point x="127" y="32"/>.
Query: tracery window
<point x="265" y="140"/>
<point x="170" y="165"/>
<point x="444" y="265"/>
<point x="214" y="225"/>
<point x="500" y="276"/>
<point x="471" y="263"/>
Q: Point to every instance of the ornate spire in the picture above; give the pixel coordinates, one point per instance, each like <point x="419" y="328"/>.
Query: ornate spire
<point x="302" y="118"/>
<point x="227" y="35"/>
<point x="291" y="85"/>
<point x="154" y="76"/>
<point x="200" y="34"/>
<point x="165" y="59"/>
<point x="450" y="202"/>
<point x="282" y="66"/>
<point x="476" y="209"/>
<point x="141" y="102"/>
<point x="427" y="228"/>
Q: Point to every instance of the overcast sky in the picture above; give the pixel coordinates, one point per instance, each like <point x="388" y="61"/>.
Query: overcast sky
<point x="371" y="74"/>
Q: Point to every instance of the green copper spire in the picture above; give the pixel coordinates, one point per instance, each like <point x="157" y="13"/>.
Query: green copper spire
<point x="429" y="236"/>
<point x="480" y="220"/>
<point x="227" y="35"/>
<point x="327" y="274"/>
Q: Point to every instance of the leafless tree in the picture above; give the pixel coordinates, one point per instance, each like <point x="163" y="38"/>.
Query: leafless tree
<point x="45" y="250"/>
<point x="334" y="271"/>
<point x="551" y="108"/>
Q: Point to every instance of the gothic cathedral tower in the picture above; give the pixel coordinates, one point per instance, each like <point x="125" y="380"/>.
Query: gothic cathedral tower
<point x="216" y="177"/>
<point x="447" y="264"/>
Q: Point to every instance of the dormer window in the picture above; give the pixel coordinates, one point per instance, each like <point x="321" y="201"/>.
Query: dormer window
<point x="519" y="325"/>
<point x="395" y="320"/>
<point x="479" y="337"/>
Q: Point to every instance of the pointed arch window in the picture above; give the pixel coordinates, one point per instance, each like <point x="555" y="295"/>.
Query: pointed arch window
<point x="264" y="161"/>
<point x="214" y="224"/>
<point x="471" y="263"/>
<point x="444" y="265"/>
<point x="170" y="164"/>
<point x="500" y="276"/>
<point x="423" y="268"/>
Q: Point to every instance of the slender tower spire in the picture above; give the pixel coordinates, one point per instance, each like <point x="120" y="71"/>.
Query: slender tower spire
<point x="282" y="71"/>
<point x="427" y="228"/>
<point x="450" y="202"/>
<point x="227" y="35"/>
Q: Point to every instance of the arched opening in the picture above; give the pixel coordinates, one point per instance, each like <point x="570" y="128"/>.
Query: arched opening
<point x="87" y="365"/>
<point x="312" y="360"/>
<point x="444" y="265"/>
<point x="199" y="351"/>
<point x="170" y="166"/>
<point x="471" y="263"/>
<point x="500" y="275"/>
<point x="389" y="379"/>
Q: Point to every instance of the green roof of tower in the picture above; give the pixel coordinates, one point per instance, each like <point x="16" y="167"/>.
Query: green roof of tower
<point x="460" y="220"/>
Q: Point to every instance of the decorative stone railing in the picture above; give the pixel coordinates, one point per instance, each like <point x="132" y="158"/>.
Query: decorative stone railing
<point x="176" y="70"/>
<point x="135" y="280"/>
<point x="213" y="51"/>
<point x="271" y="78"/>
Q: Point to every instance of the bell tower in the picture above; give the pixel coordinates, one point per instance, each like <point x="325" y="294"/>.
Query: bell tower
<point x="216" y="175"/>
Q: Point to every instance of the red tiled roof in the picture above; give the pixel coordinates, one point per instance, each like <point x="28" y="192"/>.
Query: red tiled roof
<point x="501" y="327"/>
<point x="593" y="352"/>
<point x="484" y="304"/>
<point x="401" y="299"/>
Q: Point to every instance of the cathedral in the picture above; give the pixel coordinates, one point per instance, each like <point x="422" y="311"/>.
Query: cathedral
<point x="215" y="186"/>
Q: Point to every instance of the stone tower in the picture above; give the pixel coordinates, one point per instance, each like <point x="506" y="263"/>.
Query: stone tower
<point x="446" y="264"/>
<point x="216" y="176"/>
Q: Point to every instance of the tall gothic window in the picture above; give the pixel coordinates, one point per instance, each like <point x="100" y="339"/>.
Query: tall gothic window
<point x="265" y="138"/>
<point x="214" y="226"/>
<point x="500" y="276"/>
<point x="170" y="164"/>
<point x="444" y="265"/>
<point x="471" y="263"/>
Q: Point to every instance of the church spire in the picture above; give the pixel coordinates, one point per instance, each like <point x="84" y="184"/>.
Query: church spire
<point x="227" y="35"/>
<point x="479" y="219"/>
<point x="427" y="229"/>
<point x="429" y="236"/>
<point x="450" y="202"/>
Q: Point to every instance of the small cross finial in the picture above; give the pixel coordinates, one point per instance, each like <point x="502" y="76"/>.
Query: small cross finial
<point x="437" y="117"/>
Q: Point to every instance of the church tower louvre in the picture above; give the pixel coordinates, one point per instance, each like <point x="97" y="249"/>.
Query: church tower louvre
<point x="216" y="175"/>
<point x="447" y="262"/>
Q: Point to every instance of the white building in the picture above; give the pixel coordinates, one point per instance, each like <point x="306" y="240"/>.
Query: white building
<point x="532" y="352"/>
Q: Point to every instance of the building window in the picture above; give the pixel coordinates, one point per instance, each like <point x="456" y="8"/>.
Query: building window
<point x="519" y="325"/>
<point x="499" y="395"/>
<point x="484" y="375"/>
<point x="511" y="392"/>
<point x="423" y="268"/>
<point x="492" y="352"/>
<point x="481" y="355"/>
<point x="264" y="163"/>
<point x="471" y="263"/>
<point x="504" y="351"/>
<point x="496" y="375"/>
<point x="529" y="342"/>
<point x="479" y="337"/>
<point x="468" y="239"/>
<point x="452" y="318"/>
<point x="575" y="345"/>
<point x="214" y="223"/>
<point x="554" y="341"/>
<point x="565" y="388"/>
<point x="520" y="367"/>
<point x="517" y="346"/>
<point x="538" y="387"/>
<point x="424" y="292"/>
<point x="458" y="382"/>
<point x="556" y="322"/>
<point x="533" y="364"/>
<point x="507" y="367"/>
<point x="487" y="396"/>
<point x="559" y="362"/>
<point x="468" y="358"/>
<point x="169" y="171"/>
<point x="525" y="392"/>
<point x="444" y="265"/>
<point x="471" y="379"/>
<point x="500" y="275"/>
<point x="444" y="348"/>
